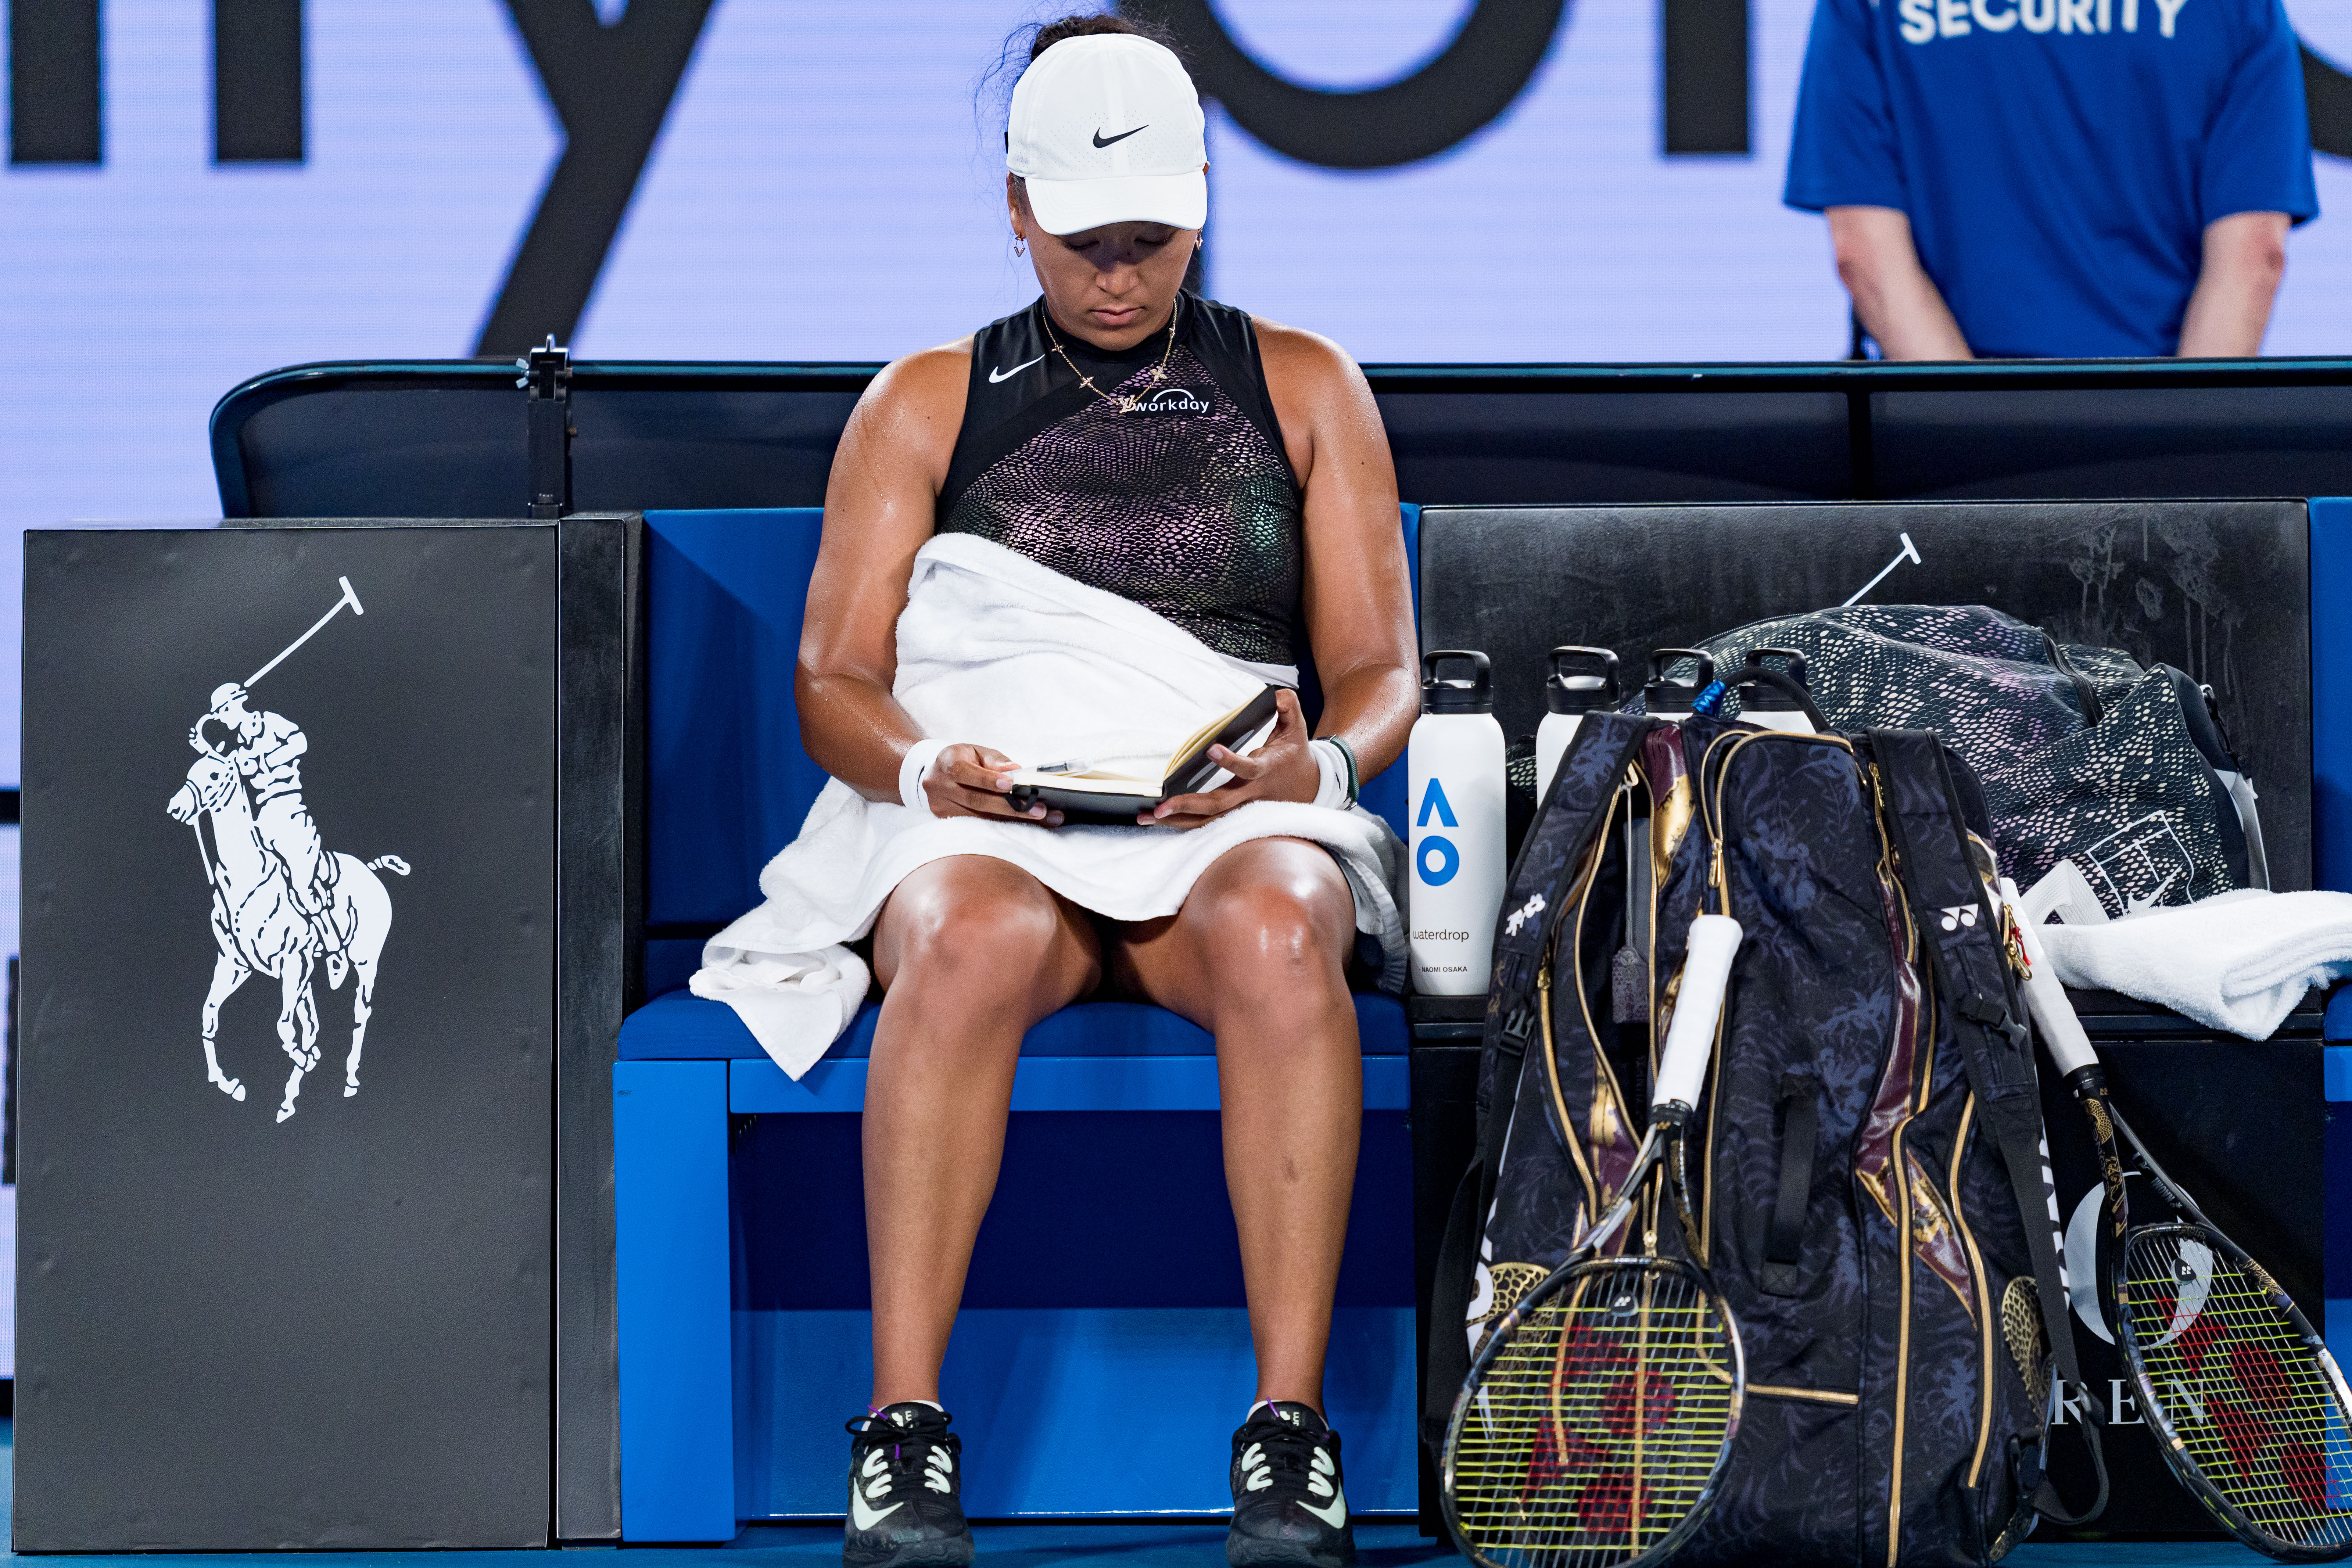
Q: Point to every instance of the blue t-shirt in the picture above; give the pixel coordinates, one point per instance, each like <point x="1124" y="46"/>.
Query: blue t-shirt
<point x="2059" y="159"/>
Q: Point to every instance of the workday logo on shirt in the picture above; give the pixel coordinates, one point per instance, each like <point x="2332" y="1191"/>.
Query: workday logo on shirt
<point x="1171" y="400"/>
<point x="1924" y="21"/>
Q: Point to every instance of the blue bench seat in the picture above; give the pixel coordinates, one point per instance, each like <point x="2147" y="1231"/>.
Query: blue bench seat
<point x="681" y="1026"/>
<point x="1108" y="1276"/>
<point x="1093" y="1056"/>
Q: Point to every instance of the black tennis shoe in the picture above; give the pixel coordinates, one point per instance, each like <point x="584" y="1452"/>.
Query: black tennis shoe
<point x="1290" y="1507"/>
<point x="906" y="1491"/>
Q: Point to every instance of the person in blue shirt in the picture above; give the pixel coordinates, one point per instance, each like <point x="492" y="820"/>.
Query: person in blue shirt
<point x="2055" y="178"/>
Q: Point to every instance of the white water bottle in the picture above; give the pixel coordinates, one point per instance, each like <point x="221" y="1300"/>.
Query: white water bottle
<point x="1768" y="706"/>
<point x="1664" y="698"/>
<point x="1454" y="763"/>
<point x="1568" y="697"/>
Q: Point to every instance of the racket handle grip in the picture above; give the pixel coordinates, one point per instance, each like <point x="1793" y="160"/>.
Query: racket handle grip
<point x="1690" y="1038"/>
<point x="2053" y="1014"/>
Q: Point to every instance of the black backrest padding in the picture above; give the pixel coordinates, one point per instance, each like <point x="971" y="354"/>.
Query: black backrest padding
<point x="705" y="449"/>
<point x="366" y="451"/>
<point x="2020" y="443"/>
<point x="445" y="438"/>
<point x="1498" y="447"/>
<point x="2220" y="589"/>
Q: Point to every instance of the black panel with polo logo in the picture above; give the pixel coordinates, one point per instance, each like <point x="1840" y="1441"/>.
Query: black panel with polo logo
<point x="288" y="1039"/>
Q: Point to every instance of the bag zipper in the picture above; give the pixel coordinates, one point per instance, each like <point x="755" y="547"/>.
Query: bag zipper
<point x="1902" y="1348"/>
<point x="1818" y="1395"/>
<point x="1899" y="1160"/>
<point x="1709" y="815"/>
<point x="1984" y="1295"/>
<point x="1560" y="1102"/>
<point x="2093" y="710"/>
<point x="1581" y="896"/>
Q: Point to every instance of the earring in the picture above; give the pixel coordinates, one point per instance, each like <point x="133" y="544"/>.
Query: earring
<point x="1020" y="245"/>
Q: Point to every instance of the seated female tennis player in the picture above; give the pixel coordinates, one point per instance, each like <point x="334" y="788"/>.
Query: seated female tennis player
<point x="1231" y="476"/>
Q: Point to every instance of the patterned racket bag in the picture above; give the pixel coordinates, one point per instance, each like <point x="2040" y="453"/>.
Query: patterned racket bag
<point x="2083" y="755"/>
<point x="1874" y="1201"/>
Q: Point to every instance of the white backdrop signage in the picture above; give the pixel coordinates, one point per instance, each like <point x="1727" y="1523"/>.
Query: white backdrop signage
<point x="199" y="192"/>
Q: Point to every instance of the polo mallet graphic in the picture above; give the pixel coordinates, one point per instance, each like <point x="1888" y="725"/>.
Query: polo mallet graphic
<point x="1910" y="552"/>
<point x="351" y="596"/>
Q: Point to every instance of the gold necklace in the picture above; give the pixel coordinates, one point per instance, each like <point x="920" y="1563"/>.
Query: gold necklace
<point x="1125" y="405"/>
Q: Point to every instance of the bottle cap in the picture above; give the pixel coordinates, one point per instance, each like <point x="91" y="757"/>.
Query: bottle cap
<point x="1585" y="690"/>
<point x="1441" y="694"/>
<point x="1672" y="695"/>
<point x="1754" y="696"/>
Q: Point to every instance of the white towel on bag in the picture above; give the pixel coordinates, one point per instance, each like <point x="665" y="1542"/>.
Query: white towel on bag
<point x="997" y="650"/>
<point x="2237" y="961"/>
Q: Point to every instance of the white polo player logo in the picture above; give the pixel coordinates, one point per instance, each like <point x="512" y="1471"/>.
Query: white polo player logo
<point x="280" y="903"/>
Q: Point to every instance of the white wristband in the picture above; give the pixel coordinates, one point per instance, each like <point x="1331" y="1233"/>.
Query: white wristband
<point x="913" y="768"/>
<point x="1328" y="761"/>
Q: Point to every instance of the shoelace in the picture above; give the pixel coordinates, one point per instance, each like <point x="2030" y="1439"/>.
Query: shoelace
<point x="898" y="1458"/>
<point x="1295" y="1452"/>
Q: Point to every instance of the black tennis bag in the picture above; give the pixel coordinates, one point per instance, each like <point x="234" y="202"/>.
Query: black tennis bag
<point x="1874" y="1196"/>
<point x="2083" y="755"/>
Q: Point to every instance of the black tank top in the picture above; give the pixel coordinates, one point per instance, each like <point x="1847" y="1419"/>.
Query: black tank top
<point x="1186" y="505"/>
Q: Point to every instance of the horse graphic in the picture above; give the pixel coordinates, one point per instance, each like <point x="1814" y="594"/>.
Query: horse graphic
<point x="261" y="930"/>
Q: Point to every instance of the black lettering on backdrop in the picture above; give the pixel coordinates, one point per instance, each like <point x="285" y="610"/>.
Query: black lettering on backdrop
<point x="1703" y="69"/>
<point x="2327" y="93"/>
<point x="257" y="81"/>
<point x="612" y="88"/>
<point x="53" y="81"/>
<point x="1467" y="86"/>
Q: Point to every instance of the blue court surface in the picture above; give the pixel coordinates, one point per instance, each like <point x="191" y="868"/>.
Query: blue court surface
<point x="1056" y="1546"/>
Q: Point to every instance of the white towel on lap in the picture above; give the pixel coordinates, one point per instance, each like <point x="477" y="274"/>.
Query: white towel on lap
<point x="997" y="650"/>
<point x="2237" y="961"/>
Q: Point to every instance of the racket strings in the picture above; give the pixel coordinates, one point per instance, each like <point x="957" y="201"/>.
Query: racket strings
<point x="2243" y="1392"/>
<point x="1600" y="1424"/>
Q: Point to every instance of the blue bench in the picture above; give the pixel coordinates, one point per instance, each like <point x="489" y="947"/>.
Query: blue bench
<point x="1103" y="1355"/>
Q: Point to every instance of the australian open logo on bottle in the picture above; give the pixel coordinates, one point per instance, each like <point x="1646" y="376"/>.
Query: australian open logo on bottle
<point x="1435" y="857"/>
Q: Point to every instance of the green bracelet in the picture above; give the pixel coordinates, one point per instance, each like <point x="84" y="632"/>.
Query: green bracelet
<point x="1348" y="751"/>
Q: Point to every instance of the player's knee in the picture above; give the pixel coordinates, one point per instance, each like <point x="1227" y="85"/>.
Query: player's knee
<point x="1273" y="935"/>
<point x="987" y="938"/>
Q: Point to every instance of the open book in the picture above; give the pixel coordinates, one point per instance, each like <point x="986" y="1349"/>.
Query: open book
<point x="1098" y="795"/>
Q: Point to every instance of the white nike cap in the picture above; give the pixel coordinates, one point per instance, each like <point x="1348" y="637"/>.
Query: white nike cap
<point x="1108" y="129"/>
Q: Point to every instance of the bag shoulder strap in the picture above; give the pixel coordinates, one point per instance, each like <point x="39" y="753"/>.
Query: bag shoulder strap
<point x="1556" y="846"/>
<point x="1588" y="775"/>
<point x="1960" y="929"/>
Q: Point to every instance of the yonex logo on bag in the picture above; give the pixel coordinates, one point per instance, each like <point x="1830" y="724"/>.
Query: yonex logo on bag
<point x="1522" y="915"/>
<point x="1959" y="915"/>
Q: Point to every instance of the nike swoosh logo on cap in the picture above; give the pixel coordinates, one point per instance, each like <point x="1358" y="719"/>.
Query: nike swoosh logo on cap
<point x="997" y="375"/>
<point x="1103" y="140"/>
<point x="1335" y="1516"/>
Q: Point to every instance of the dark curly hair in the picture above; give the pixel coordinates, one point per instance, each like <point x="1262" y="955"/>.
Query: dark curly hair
<point x="1093" y="25"/>
<point x="1024" y="44"/>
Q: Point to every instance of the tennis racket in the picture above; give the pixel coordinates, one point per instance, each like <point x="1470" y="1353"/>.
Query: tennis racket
<point x="1597" y="1415"/>
<point x="2246" y="1403"/>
